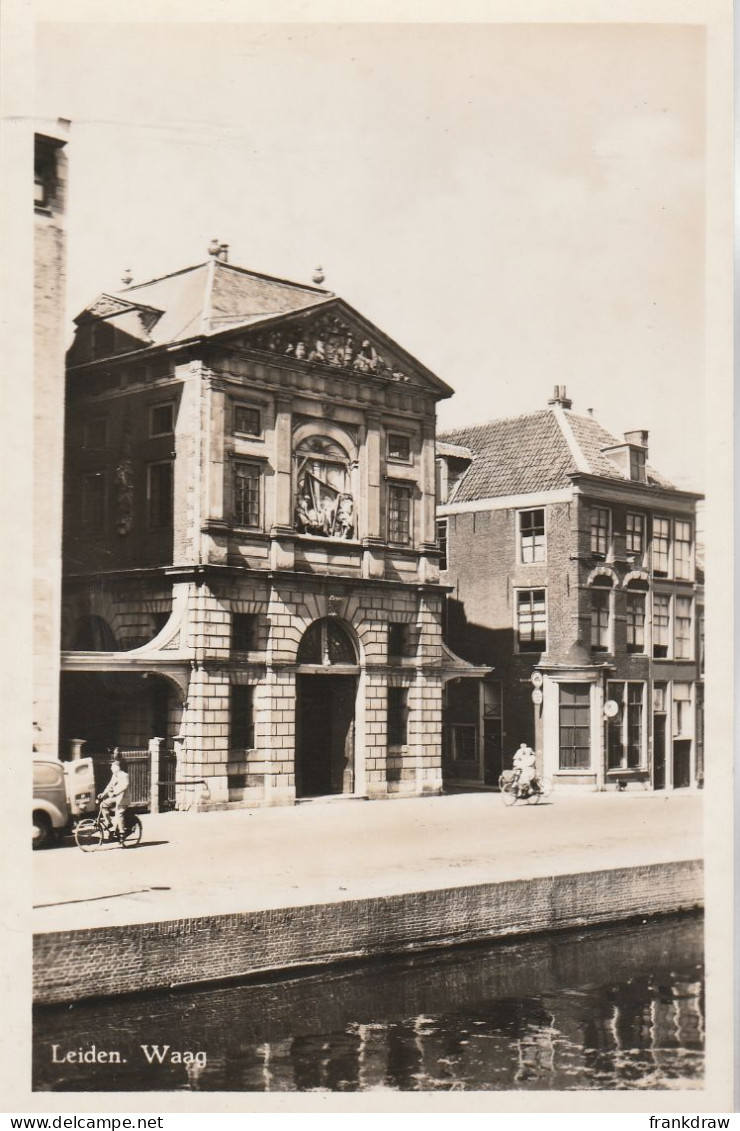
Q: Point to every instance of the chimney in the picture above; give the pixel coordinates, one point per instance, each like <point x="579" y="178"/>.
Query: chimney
<point x="223" y="253"/>
<point x="638" y="439"/>
<point x="213" y="248"/>
<point x="559" y="397"/>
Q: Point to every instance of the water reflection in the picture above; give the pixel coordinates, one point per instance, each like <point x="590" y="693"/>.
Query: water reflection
<point x="618" y="1007"/>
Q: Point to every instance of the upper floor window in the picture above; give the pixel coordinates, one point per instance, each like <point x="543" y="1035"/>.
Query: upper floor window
<point x="93" y="502"/>
<point x="601" y="595"/>
<point x="247" y="420"/>
<point x="637" y="464"/>
<point x="531" y="619"/>
<point x="247" y="494"/>
<point x="243" y="632"/>
<point x="635" y="529"/>
<point x="399" y="514"/>
<point x="95" y="432"/>
<point x="159" y="494"/>
<point x="399" y="639"/>
<point x="635" y="609"/>
<point x="682" y="550"/>
<point x="399" y="447"/>
<point x="442" y="542"/>
<point x="661" y="625"/>
<point x="661" y="546"/>
<point x="44" y="176"/>
<point x="162" y="419"/>
<point x="600" y="524"/>
<point x="324" y="504"/>
<point x="683" y="629"/>
<point x="532" y="536"/>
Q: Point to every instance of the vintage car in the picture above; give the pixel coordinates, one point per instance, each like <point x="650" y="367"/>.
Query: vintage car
<point x="62" y="793"/>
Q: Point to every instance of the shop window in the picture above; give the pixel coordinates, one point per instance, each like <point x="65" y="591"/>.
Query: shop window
<point x="247" y="492"/>
<point x="162" y="419"/>
<point x="93" y="502"/>
<point x="600" y="529"/>
<point x="398" y="716"/>
<point x="661" y="546"/>
<point x="575" y="726"/>
<point x="626" y="731"/>
<point x="683" y="551"/>
<point x="399" y="447"/>
<point x="442" y="542"/>
<point x="247" y="420"/>
<point x="159" y="495"/>
<point x="243" y="632"/>
<point x="399" y="514"/>
<point x="635" y="531"/>
<point x="531" y="617"/>
<point x="324" y="504"/>
<point x="661" y="625"/>
<point x="532" y="536"/>
<point x="241" y="721"/>
<point x="635" y="616"/>
<point x="601" y="595"/>
<point x="682" y="649"/>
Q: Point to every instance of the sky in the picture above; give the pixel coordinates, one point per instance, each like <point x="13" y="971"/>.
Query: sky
<point x="518" y="206"/>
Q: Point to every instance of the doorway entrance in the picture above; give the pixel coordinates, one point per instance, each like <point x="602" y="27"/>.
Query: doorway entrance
<point x="325" y="734"/>
<point x="659" y="747"/>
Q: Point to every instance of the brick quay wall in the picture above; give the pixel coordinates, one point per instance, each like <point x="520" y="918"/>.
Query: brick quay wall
<point x="70" y="965"/>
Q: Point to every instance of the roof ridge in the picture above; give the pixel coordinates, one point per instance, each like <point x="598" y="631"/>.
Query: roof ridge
<point x="496" y="420"/>
<point x="161" y="278"/>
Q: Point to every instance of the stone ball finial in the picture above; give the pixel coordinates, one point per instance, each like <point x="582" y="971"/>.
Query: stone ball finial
<point x="127" y="278"/>
<point x="214" y="248"/>
<point x="318" y="276"/>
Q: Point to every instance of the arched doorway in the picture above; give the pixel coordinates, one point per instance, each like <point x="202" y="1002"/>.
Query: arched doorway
<point x="326" y="690"/>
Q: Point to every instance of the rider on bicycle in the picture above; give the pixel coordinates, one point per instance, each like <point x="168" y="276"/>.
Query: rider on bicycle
<point x="525" y="764"/>
<point x="115" y="795"/>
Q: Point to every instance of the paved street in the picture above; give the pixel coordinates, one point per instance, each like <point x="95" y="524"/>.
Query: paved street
<point x="221" y="862"/>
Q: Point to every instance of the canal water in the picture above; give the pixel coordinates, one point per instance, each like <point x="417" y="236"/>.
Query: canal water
<point x="609" y="1008"/>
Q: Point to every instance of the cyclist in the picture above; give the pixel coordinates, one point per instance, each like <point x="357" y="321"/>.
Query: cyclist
<point x="525" y="764"/>
<point x="115" y="796"/>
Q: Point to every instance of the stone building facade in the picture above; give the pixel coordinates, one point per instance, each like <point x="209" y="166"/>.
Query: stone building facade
<point x="251" y="567"/>
<point x="50" y="206"/>
<point x="573" y="573"/>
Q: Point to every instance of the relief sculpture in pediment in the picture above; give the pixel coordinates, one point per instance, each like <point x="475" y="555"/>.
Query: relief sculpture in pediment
<point x="328" y="341"/>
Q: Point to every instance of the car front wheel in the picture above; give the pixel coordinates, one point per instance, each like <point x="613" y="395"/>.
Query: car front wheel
<point x="42" y="833"/>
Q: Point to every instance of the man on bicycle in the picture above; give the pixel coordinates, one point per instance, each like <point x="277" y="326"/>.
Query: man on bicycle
<point x="525" y="764"/>
<point x="115" y="796"/>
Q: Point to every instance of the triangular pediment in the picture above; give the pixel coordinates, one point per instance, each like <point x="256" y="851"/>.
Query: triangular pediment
<point x="338" y="337"/>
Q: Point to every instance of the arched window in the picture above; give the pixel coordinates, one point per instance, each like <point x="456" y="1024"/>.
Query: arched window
<point x="326" y="642"/>
<point x="324" y="504"/>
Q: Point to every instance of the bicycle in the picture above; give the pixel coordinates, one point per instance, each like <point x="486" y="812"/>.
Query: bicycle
<point x="532" y="794"/>
<point x="91" y="832"/>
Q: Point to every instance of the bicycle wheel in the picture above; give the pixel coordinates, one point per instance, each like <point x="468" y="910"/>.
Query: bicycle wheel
<point x="132" y="835"/>
<point x="509" y="793"/>
<point x="88" y="835"/>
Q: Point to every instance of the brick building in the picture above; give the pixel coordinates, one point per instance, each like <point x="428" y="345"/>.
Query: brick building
<point x="573" y="570"/>
<point x="50" y="196"/>
<point x="251" y="571"/>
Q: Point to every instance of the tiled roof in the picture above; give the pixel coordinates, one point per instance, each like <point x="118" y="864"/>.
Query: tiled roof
<point x="454" y="451"/>
<point x="524" y="455"/>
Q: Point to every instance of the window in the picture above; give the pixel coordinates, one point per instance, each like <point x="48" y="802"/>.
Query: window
<point x="159" y="495"/>
<point x="44" y="177"/>
<point x="102" y="338"/>
<point x="600" y="603"/>
<point x="442" y="542"/>
<point x="682" y="644"/>
<point x="241" y="721"/>
<point x="399" y="639"/>
<point x="661" y="625"/>
<point x="243" y="626"/>
<point x="93" y="502"/>
<point x="600" y="531"/>
<point x="162" y="419"/>
<point x="635" y="606"/>
<point x="682" y="551"/>
<point x="399" y="514"/>
<point x="247" y="420"/>
<point x="398" y="716"/>
<point x="661" y="546"/>
<point x="659" y="698"/>
<point x="637" y="464"/>
<point x="247" y="478"/>
<point x="532" y="536"/>
<point x="95" y="432"/>
<point x="326" y="642"/>
<point x="682" y="717"/>
<point x="626" y="732"/>
<point x="575" y="726"/>
<point x="635" y="533"/>
<point x="399" y="447"/>
<point x="531" y="619"/>
<point x="701" y="641"/>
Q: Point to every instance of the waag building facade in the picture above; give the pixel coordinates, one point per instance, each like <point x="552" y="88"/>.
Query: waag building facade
<point x="573" y="573"/>
<point x="250" y="559"/>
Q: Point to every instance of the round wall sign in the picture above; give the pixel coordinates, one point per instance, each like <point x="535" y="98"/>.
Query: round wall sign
<point x="536" y="696"/>
<point x="611" y="709"/>
<point x="536" y="678"/>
